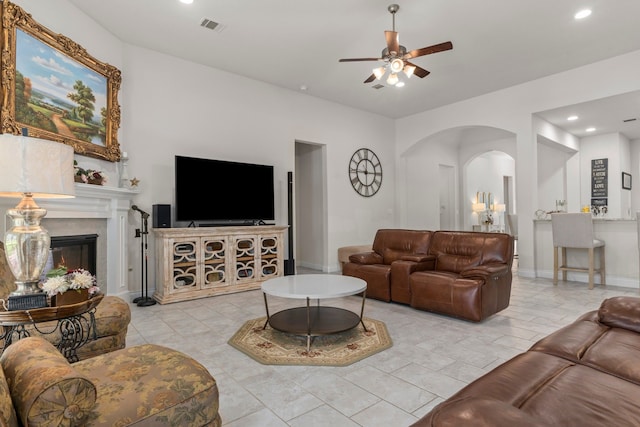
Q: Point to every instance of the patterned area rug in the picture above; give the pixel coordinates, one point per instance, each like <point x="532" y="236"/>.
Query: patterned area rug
<point x="271" y="347"/>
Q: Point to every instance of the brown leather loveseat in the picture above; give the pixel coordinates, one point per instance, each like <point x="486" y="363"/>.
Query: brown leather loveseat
<point x="585" y="374"/>
<point x="457" y="273"/>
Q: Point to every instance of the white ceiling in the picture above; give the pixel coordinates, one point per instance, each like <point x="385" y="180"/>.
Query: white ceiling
<point x="291" y="43"/>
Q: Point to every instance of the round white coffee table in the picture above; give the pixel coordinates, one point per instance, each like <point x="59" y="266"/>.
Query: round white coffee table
<point x="314" y="320"/>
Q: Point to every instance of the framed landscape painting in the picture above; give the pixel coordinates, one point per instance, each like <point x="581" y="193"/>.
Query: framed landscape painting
<point x="53" y="89"/>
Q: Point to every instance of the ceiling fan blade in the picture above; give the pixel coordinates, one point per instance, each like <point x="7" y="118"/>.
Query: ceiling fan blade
<point x="419" y="71"/>
<point x="359" y="59"/>
<point x="429" y="50"/>
<point x="393" y="45"/>
<point x="371" y="78"/>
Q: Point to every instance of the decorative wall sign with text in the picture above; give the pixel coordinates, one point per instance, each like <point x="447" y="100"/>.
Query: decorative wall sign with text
<point x="599" y="182"/>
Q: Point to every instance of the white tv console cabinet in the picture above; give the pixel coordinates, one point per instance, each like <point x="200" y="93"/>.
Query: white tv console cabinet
<point x="201" y="262"/>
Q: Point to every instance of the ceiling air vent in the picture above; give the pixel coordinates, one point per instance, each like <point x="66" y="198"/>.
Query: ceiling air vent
<point x="211" y="25"/>
<point x="378" y="86"/>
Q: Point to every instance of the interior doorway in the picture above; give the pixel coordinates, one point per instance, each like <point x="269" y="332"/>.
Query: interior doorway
<point x="447" y="197"/>
<point x="310" y="206"/>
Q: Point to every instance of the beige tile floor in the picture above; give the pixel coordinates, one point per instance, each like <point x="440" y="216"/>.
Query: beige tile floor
<point x="432" y="356"/>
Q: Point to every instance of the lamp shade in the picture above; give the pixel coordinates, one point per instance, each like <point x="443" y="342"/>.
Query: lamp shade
<point x="478" y="207"/>
<point x="37" y="166"/>
<point x="499" y="207"/>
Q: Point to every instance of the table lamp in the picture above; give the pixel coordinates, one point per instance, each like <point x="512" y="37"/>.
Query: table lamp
<point x="31" y="168"/>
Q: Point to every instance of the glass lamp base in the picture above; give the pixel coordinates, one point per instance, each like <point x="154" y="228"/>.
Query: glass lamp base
<point x="26" y="245"/>
<point x="27" y="288"/>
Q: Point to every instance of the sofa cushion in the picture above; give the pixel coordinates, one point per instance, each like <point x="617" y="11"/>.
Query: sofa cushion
<point x="45" y="388"/>
<point x="483" y="412"/>
<point x="621" y="312"/>
<point x="457" y="251"/>
<point x="151" y="385"/>
<point x="392" y="244"/>
<point x="113" y="316"/>
<point x="8" y="416"/>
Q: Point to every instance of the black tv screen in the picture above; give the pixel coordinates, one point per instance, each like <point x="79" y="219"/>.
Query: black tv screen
<point x="219" y="191"/>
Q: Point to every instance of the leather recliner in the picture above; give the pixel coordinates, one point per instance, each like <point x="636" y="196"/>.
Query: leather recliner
<point x="471" y="278"/>
<point x="396" y="254"/>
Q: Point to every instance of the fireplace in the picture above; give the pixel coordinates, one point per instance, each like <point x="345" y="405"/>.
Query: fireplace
<point x="75" y="252"/>
<point x="101" y="210"/>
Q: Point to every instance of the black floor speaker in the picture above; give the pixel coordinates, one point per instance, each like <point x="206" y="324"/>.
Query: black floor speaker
<point x="161" y="216"/>
<point x="290" y="264"/>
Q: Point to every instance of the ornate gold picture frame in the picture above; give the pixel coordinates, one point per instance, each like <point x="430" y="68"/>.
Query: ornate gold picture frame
<point x="54" y="89"/>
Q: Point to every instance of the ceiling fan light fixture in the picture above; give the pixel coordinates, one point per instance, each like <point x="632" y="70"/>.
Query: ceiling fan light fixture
<point x="408" y="70"/>
<point x="379" y="72"/>
<point x="400" y="84"/>
<point x="396" y="65"/>
<point x="392" y="79"/>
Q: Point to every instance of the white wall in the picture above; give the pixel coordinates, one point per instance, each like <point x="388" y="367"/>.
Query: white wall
<point x="552" y="177"/>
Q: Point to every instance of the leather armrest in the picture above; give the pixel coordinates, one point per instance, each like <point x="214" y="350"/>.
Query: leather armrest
<point x="366" y="258"/>
<point x="419" y="258"/>
<point x="485" y="270"/>
<point x="621" y="312"/>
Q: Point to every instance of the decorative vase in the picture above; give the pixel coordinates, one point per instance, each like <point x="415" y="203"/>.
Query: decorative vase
<point x="77" y="178"/>
<point x="72" y="296"/>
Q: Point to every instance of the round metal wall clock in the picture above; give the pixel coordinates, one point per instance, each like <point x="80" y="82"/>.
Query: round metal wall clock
<point x="365" y="172"/>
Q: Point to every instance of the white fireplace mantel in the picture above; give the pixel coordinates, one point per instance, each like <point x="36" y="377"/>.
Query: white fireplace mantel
<point x="97" y="202"/>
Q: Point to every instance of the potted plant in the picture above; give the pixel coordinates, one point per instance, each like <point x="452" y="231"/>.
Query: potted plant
<point x="69" y="286"/>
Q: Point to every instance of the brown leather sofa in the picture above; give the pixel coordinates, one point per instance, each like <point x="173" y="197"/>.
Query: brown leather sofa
<point x="585" y="374"/>
<point x="396" y="254"/>
<point x="461" y="274"/>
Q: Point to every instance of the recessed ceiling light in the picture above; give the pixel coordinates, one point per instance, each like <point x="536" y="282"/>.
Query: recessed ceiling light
<point x="582" y="14"/>
<point x="572" y="118"/>
<point x="186" y="1"/>
<point x="590" y="129"/>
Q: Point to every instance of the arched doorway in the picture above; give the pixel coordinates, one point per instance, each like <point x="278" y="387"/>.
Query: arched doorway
<point x="429" y="164"/>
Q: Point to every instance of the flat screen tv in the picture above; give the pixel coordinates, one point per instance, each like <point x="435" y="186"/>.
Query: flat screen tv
<point x="212" y="192"/>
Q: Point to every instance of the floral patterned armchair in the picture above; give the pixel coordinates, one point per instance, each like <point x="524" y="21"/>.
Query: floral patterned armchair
<point x="112" y="318"/>
<point x="146" y="385"/>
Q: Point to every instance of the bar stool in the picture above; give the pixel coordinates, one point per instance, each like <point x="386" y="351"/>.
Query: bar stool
<point x="575" y="230"/>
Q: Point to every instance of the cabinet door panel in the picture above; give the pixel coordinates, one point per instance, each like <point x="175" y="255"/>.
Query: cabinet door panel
<point x="269" y="265"/>
<point x="214" y="255"/>
<point x="245" y="257"/>
<point x="185" y="265"/>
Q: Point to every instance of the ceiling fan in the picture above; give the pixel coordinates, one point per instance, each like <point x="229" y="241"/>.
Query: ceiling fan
<point x="396" y="58"/>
